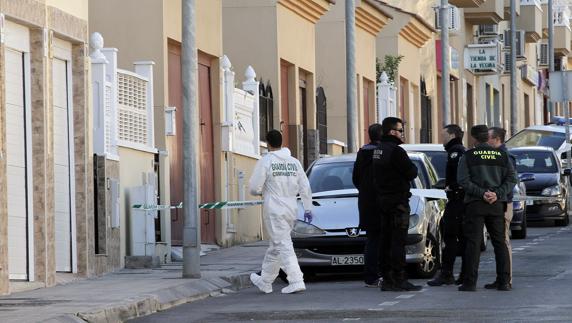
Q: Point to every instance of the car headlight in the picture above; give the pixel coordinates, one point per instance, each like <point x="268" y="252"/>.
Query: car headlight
<point x="551" y="191"/>
<point x="518" y="205"/>
<point x="304" y="229"/>
<point x="413" y="221"/>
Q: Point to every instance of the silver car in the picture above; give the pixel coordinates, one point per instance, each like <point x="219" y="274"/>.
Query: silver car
<point x="333" y="239"/>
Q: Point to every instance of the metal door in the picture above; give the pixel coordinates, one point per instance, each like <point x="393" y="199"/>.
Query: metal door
<point x="206" y="150"/>
<point x="175" y="143"/>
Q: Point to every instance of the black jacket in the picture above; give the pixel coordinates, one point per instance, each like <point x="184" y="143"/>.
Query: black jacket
<point x="455" y="151"/>
<point x="393" y="170"/>
<point x="486" y="168"/>
<point x="369" y="217"/>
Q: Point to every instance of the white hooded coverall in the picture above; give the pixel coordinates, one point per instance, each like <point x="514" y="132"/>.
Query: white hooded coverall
<point x="279" y="178"/>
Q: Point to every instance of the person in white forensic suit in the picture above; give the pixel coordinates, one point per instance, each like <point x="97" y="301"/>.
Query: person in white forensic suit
<point x="279" y="178"/>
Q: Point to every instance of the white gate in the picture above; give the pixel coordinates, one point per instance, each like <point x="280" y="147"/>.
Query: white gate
<point x="18" y="152"/>
<point x="63" y="157"/>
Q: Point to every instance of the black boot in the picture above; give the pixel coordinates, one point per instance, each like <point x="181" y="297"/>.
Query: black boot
<point x="459" y="281"/>
<point x="443" y="278"/>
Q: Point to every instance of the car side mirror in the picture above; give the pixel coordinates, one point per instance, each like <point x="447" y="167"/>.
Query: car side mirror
<point x="440" y="185"/>
<point x="564" y="155"/>
<point x="567" y="172"/>
<point x="527" y="177"/>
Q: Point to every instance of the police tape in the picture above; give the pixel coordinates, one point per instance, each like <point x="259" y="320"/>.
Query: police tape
<point x="230" y="205"/>
<point x="245" y="204"/>
<point x="152" y="207"/>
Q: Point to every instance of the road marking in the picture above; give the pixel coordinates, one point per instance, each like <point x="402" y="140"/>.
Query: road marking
<point x="518" y="249"/>
<point x="352" y="319"/>
<point x="375" y="309"/>
<point x="405" y="296"/>
<point x="532" y="243"/>
<point x="388" y="303"/>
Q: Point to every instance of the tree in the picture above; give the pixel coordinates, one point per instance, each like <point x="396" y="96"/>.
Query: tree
<point x="390" y="66"/>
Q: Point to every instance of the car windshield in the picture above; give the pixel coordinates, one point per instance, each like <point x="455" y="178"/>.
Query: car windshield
<point x="535" y="162"/>
<point x="530" y="137"/>
<point x="439" y="161"/>
<point x="333" y="176"/>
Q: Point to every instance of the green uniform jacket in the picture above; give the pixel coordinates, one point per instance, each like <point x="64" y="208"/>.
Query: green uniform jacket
<point x="485" y="168"/>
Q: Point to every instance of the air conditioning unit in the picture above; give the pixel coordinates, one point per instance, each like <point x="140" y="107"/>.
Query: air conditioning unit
<point x="488" y="30"/>
<point x="520" y="42"/>
<point x="543" y="55"/>
<point x="454" y="18"/>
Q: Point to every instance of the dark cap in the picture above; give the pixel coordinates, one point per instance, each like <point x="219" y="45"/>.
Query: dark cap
<point x="479" y="130"/>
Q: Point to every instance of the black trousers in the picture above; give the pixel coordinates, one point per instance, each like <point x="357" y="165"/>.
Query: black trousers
<point x="372" y="255"/>
<point x="478" y="214"/>
<point x="394" y="227"/>
<point x="453" y="234"/>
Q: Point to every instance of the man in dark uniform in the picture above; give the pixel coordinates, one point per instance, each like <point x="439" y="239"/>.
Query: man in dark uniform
<point x="393" y="173"/>
<point x="487" y="176"/>
<point x="455" y="208"/>
<point x="369" y="214"/>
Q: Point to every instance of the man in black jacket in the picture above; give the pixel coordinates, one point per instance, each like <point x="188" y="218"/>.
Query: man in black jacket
<point x="487" y="176"/>
<point x="393" y="173"/>
<point x="369" y="213"/>
<point x="455" y="208"/>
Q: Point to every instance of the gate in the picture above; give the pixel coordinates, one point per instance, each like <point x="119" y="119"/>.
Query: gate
<point x="322" y="119"/>
<point x="426" y="113"/>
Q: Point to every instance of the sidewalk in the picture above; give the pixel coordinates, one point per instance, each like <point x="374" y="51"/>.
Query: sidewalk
<point x="130" y="293"/>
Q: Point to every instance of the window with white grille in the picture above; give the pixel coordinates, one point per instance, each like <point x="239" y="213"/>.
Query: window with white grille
<point x="133" y="114"/>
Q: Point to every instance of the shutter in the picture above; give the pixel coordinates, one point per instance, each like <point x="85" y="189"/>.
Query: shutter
<point x="543" y="54"/>
<point x="507" y="62"/>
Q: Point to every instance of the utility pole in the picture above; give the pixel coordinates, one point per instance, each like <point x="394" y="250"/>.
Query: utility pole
<point x="550" y="53"/>
<point x="513" y="98"/>
<point x="189" y="70"/>
<point x="445" y="78"/>
<point x="351" y="79"/>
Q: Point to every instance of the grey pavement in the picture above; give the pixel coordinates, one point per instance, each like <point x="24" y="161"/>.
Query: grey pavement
<point x="542" y="293"/>
<point x="130" y="293"/>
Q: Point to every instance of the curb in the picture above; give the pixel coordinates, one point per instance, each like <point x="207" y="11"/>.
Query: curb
<point x="159" y="300"/>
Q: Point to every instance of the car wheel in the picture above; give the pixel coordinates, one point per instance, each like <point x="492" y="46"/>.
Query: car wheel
<point x="565" y="222"/>
<point x="431" y="259"/>
<point x="520" y="234"/>
<point x="485" y="239"/>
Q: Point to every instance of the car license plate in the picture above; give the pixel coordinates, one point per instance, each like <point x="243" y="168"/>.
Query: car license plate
<point x="347" y="260"/>
<point x="529" y="202"/>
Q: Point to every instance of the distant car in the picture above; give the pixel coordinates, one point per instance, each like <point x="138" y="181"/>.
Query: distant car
<point x="547" y="181"/>
<point x="438" y="157"/>
<point x="333" y="239"/>
<point x="552" y="136"/>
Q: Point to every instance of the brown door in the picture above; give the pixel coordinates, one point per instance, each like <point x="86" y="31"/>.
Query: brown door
<point x="366" y="100"/>
<point x="304" y="107"/>
<point x="207" y="151"/>
<point x="175" y="143"/>
<point x="284" y="110"/>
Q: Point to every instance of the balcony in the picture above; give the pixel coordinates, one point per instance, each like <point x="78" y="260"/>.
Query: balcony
<point x="489" y="13"/>
<point x="466" y="3"/>
<point x="530" y="20"/>
<point x="507" y="9"/>
<point x="562" y="39"/>
<point x="562" y="32"/>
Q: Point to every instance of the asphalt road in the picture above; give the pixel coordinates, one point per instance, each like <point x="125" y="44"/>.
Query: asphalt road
<point x="542" y="292"/>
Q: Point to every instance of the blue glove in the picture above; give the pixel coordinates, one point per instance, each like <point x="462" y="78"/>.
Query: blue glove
<point x="308" y="216"/>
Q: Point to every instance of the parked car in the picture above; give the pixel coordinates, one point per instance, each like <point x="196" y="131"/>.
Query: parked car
<point x="547" y="180"/>
<point x="438" y="157"/>
<point x="552" y="136"/>
<point x="333" y="239"/>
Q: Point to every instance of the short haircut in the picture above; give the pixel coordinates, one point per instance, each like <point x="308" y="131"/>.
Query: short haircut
<point x="274" y="138"/>
<point x="480" y="133"/>
<point x="389" y="124"/>
<point x="454" y="129"/>
<point x="375" y="132"/>
<point x="498" y="132"/>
